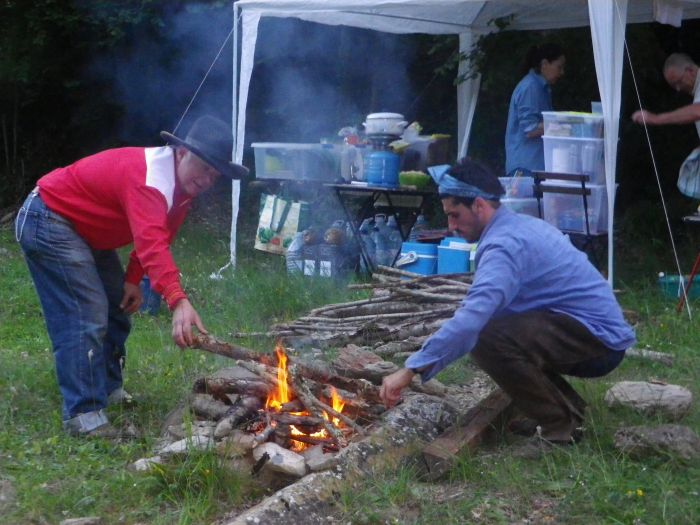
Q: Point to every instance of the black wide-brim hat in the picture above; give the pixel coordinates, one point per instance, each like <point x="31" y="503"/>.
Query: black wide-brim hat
<point x="212" y="141"/>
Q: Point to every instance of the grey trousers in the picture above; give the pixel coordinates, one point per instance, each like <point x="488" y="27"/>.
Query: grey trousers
<point x="527" y="354"/>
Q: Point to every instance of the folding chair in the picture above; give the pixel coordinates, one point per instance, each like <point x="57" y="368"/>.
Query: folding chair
<point x="576" y="221"/>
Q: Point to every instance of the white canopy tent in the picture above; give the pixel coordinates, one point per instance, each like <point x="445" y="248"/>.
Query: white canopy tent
<point x="468" y="19"/>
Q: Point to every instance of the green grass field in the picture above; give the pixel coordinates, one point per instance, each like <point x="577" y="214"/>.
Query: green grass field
<point x="56" y="477"/>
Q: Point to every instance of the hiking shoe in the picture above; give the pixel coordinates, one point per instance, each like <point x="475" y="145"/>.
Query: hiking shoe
<point x="121" y="398"/>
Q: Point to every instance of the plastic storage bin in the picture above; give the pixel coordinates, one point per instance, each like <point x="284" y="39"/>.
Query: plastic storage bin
<point x="572" y="124"/>
<point x="566" y="211"/>
<point x="517" y="187"/>
<point x="672" y="286"/>
<point x="525" y="206"/>
<point x="418" y="257"/>
<point x="455" y="255"/>
<point x="576" y="156"/>
<point x="289" y="161"/>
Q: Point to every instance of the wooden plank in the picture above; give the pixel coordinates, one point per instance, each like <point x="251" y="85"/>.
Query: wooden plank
<point x="441" y="454"/>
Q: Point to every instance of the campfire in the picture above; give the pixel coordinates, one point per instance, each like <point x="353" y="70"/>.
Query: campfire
<point x="288" y="420"/>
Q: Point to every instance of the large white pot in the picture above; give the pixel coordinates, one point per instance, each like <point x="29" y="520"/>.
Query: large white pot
<point x="385" y="123"/>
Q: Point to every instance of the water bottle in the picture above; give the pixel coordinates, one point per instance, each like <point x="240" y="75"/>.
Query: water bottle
<point x="395" y="239"/>
<point x="295" y="262"/>
<point x="366" y="230"/>
<point x="381" y="238"/>
<point x="420" y="225"/>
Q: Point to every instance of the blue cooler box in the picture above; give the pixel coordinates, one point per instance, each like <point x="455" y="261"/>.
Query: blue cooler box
<point x="454" y="256"/>
<point x="418" y="257"/>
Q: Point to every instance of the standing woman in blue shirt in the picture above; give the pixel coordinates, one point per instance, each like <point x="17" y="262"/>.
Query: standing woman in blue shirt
<point x="544" y="65"/>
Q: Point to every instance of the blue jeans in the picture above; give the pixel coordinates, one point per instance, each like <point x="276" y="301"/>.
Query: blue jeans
<point x="80" y="290"/>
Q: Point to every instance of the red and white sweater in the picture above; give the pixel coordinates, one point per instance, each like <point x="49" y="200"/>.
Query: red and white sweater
<point x="120" y="196"/>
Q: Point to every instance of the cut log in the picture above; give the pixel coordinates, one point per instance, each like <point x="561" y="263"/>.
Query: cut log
<point x="650" y="355"/>
<point x="394" y="347"/>
<point x="441" y="454"/>
<point x="219" y="387"/>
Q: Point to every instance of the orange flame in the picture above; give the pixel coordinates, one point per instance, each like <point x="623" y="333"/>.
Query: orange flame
<point x="280" y="395"/>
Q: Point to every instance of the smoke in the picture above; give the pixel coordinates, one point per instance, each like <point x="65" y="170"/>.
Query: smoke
<point x="309" y="80"/>
<point x="313" y="79"/>
<point x="155" y="76"/>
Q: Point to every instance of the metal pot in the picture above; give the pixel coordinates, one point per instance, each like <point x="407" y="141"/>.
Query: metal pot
<point x="385" y="123"/>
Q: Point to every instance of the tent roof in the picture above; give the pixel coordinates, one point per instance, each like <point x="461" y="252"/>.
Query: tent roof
<point x="449" y="16"/>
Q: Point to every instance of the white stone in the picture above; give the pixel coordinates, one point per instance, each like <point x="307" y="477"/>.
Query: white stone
<point x="281" y="459"/>
<point x="237" y="443"/>
<point x="650" y="398"/>
<point x="146" y="464"/>
<point x="223" y="428"/>
<point x="317" y="460"/>
<point x="182" y="446"/>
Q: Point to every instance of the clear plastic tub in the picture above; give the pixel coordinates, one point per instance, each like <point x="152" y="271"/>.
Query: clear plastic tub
<point x="517" y="187"/>
<point x="289" y="161"/>
<point x="566" y="211"/>
<point x="527" y="206"/>
<point x="575" y="156"/>
<point x="572" y="124"/>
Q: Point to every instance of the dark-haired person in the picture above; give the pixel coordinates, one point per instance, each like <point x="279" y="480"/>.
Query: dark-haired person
<point x="69" y="228"/>
<point x="544" y="65"/>
<point x="537" y="310"/>
<point x="681" y="73"/>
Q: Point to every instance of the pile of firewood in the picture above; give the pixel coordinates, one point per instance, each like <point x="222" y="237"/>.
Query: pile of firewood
<point x="403" y="310"/>
<point x="354" y="376"/>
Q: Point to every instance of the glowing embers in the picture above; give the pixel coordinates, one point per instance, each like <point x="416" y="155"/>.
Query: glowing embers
<point x="297" y="418"/>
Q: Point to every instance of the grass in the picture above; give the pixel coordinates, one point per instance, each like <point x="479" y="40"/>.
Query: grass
<point x="58" y="477"/>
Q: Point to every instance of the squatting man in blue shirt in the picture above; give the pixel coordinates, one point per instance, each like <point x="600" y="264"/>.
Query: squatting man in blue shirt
<point x="537" y="310"/>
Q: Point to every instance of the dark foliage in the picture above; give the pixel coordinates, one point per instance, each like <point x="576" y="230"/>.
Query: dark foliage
<point x="80" y="76"/>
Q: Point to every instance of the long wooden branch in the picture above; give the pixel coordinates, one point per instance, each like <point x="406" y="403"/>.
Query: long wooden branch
<point x="216" y="346"/>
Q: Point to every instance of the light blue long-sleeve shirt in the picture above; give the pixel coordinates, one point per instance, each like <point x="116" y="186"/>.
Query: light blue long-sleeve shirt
<point x="530" y="98"/>
<point x="525" y="264"/>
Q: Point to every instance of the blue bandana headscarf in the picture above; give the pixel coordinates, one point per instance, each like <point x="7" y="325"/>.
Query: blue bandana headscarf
<point x="448" y="185"/>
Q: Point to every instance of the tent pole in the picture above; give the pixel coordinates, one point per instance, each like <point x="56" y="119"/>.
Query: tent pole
<point x="235" y="185"/>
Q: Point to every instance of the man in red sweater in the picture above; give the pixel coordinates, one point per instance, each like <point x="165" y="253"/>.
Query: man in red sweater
<point x="69" y="228"/>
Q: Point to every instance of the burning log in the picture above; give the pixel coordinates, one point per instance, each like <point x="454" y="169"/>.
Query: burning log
<point x="219" y="387"/>
<point x="307" y="400"/>
<point x="292" y="419"/>
<point x="267" y="431"/>
<point x="292" y="406"/>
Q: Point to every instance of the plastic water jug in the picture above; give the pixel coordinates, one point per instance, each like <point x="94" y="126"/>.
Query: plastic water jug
<point x="383" y="254"/>
<point x="367" y="241"/>
<point x="395" y="239"/>
<point x="420" y="225"/>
